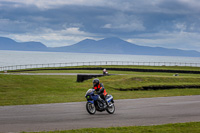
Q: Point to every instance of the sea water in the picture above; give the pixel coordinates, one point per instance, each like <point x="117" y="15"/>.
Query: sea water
<point x="10" y="58"/>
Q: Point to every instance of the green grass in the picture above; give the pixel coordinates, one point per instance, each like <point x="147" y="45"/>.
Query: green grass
<point x="40" y="89"/>
<point x="135" y="81"/>
<point x="24" y="89"/>
<point x="192" y="127"/>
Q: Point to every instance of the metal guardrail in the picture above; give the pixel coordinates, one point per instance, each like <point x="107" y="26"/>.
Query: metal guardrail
<point x="97" y="63"/>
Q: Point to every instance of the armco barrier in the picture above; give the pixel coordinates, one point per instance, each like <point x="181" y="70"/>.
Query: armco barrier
<point x="97" y="63"/>
<point x="120" y="69"/>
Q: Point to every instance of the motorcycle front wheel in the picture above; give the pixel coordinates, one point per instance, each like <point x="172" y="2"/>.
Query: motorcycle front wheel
<point x="111" y="109"/>
<point x="90" y="108"/>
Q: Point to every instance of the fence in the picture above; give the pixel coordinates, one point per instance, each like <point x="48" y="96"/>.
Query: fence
<point x="97" y="63"/>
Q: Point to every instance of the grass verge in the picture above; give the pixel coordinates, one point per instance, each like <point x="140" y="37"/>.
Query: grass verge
<point x="191" y="127"/>
<point x="41" y="89"/>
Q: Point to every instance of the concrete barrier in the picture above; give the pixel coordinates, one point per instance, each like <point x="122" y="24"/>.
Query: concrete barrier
<point x="82" y="77"/>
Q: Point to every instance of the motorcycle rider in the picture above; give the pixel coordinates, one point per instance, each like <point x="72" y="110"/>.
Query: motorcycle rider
<point x="99" y="88"/>
<point x="105" y="72"/>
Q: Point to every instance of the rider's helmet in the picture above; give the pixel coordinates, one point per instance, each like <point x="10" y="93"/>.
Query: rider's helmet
<point x="95" y="82"/>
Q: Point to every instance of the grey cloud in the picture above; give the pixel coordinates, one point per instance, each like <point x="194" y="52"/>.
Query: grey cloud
<point x="176" y="7"/>
<point x="103" y="19"/>
<point x="125" y="19"/>
<point x="123" y="22"/>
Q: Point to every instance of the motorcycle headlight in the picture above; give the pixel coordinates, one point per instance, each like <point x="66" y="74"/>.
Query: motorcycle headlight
<point x="88" y="97"/>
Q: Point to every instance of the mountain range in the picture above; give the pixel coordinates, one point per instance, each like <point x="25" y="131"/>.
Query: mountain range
<point x="105" y="46"/>
<point x="9" y="44"/>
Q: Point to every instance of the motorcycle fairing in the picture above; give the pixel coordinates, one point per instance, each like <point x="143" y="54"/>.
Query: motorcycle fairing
<point x="109" y="98"/>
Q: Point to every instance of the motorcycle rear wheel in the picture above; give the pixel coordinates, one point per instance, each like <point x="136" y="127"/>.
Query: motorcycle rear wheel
<point x="90" y="108"/>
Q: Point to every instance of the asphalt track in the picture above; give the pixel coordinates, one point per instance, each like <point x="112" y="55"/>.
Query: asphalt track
<point x="42" y="73"/>
<point x="65" y="116"/>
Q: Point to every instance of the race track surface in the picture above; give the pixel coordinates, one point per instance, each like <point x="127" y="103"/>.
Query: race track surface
<point x="64" y="116"/>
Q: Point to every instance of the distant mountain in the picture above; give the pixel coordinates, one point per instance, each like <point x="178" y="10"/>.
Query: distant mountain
<point x="117" y="46"/>
<point x="9" y="44"/>
<point x="105" y="46"/>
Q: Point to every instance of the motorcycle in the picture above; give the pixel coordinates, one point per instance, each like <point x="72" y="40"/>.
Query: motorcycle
<point x="96" y="103"/>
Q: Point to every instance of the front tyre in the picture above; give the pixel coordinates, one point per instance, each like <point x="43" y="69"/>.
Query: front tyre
<point x="111" y="109"/>
<point x="90" y="108"/>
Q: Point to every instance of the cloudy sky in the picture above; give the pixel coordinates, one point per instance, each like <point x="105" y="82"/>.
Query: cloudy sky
<point x="163" y="23"/>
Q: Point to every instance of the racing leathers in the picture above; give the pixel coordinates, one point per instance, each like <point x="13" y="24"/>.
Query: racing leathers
<point x="99" y="88"/>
